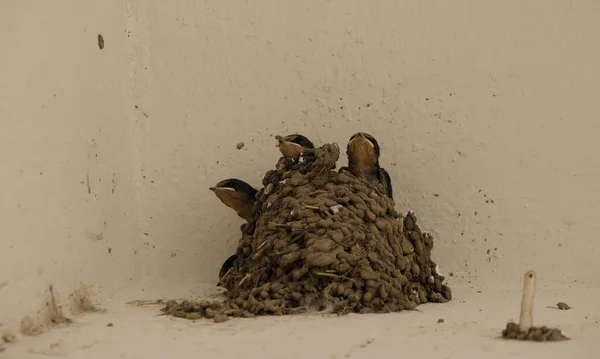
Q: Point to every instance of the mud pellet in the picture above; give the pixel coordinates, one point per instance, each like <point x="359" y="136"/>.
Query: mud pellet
<point x="407" y="248"/>
<point x="220" y="318"/>
<point x="179" y="314"/>
<point x="210" y="313"/>
<point x="193" y="316"/>
<point x="364" y="274"/>
<point x="419" y="248"/>
<point x="422" y="296"/>
<point x="204" y="304"/>
<point x="371" y="283"/>
<point x="401" y="263"/>
<point x="409" y="223"/>
<point x="170" y="304"/>
<point x="247" y="314"/>
<point x="383" y="292"/>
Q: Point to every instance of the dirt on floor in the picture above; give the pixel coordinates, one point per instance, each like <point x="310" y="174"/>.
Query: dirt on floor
<point x="537" y="334"/>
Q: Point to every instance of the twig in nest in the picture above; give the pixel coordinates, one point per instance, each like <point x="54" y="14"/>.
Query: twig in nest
<point x="260" y="249"/>
<point x="257" y="277"/>
<point x="310" y="207"/>
<point x="279" y="224"/>
<point x="287" y="224"/>
<point x="319" y="191"/>
<point x="243" y="279"/>
<point x="262" y="245"/>
<point x="226" y="274"/>
<point x="324" y="274"/>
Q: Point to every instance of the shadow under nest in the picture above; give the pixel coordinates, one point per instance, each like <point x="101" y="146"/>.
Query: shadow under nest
<point x="324" y="240"/>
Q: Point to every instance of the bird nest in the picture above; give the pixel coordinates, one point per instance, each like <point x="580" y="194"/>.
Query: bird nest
<point x="320" y="239"/>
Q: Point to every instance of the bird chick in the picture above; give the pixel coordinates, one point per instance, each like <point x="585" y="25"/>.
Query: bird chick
<point x="293" y="146"/>
<point x="384" y="178"/>
<point x="227" y="265"/>
<point x="363" y="155"/>
<point x="363" y="160"/>
<point x="237" y="195"/>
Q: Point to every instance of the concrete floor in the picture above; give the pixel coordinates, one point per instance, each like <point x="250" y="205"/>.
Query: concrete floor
<point x="472" y="324"/>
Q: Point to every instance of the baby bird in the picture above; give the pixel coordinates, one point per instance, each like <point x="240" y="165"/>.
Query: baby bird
<point x="384" y="178"/>
<point x="293" y="146"/>
<point x="237" y="195"/>
<point x="227" y="265"/>
<point x="363" y="160"/>
<point x="363" y="155"/>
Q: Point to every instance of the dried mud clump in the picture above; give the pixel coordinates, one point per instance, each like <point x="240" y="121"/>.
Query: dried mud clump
<point x="320" y="239"/>
<point x="537" y="334"/>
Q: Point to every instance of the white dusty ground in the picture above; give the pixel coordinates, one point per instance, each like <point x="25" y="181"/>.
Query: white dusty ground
<point x="486" y="113"/>
<point x="471" y="327"/>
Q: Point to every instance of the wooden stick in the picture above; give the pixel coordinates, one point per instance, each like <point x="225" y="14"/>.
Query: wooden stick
<point x="324" y="274"/>
<point x="526" y="319"/>
<point x="243" y="279"/>
<point x="310" y="207"/>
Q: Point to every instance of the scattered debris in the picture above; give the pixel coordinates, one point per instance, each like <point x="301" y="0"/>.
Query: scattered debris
<point x="110" y="325"/>
<point x="50" y="315"/>
<point x="82" y="300"/>
<point x="240" y="145"/>
<point x="100" y="41"/>
<point x="440" y="320"/>
<point x="542" y="334"/>
<point x="9" y="338"/>
<point x="220" y="318"/>
<point x="56" y="313"/>
<point x="369" y="341"/>
<point x="563" y="306"/>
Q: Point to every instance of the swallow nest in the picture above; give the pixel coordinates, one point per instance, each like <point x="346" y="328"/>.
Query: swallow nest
<point x="324" y="240"/>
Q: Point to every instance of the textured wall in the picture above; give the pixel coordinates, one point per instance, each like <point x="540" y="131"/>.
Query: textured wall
<point x="68" y="209"/>
<point x="485" y="114"/>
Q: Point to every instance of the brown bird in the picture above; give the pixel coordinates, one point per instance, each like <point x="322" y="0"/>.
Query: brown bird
<point x="384" y="178"/>
<point x="293" y="146"/>
<point x="363" y="160"/>
<point x="227" y="265"/>
<point x="237" y="195"/>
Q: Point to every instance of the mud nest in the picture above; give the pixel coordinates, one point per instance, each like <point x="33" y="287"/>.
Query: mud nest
<point x="324" y="240"/>
<point x="538" y="334"/>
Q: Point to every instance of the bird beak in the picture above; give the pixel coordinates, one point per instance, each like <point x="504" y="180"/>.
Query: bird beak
<point x="364" y="138"/>
<point x="215" y="189"/>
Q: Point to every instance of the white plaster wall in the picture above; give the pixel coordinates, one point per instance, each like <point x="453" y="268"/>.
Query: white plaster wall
<point x="69" y="155"/>
<point x="470" y="101"/>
